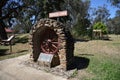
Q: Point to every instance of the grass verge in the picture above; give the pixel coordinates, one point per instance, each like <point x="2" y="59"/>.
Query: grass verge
<point x="12" y="55"/>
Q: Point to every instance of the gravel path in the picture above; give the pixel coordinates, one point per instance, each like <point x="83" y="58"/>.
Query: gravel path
<point x="14" y="69"/>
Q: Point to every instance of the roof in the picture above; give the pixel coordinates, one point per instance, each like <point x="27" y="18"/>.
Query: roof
<point x="8" y="30"/>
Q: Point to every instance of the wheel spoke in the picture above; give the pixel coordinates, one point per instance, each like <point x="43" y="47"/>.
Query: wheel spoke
<point x="49" y="50"/>
<point x="54" y="42"/>
<point x="52" y="50"/>
<point x="54" y="46"/>
<point x="44" y="42"/>
<point x="54" y="39"/>
<point x="43" y="46"/>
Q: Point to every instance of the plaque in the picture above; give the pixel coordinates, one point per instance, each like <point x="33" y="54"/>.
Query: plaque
<point x="45" y="57"/>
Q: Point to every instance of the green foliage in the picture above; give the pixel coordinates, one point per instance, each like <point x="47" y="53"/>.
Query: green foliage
<point x="115" y="3"/>
<point x="74" y="74"/>
<point x="78" y="10"/>
<point x="42" y="8"/>
<point x="27" y="12"/>
<point x="80" y="29"/>
<point x="101" y="14"/>
<point x="113" y="24"/>
<point x="118" y="13"/>
<point x="30" y="11"/>
<point x="17" y="28"/>
<point x="100" y="26"/>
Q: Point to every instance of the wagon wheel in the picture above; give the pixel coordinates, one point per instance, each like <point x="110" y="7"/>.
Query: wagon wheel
<point x="50" y="43"/>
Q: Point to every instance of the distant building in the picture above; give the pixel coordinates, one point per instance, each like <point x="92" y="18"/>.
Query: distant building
<point x="9" y="32"/>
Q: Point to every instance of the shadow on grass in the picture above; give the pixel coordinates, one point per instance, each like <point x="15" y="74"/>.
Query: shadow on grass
<point x="79" y="63"/>
<point x="107" y="39"/>
<point x="3" y="52"/>
<point x="86" y="54"/>
<point x="81" y="40"/>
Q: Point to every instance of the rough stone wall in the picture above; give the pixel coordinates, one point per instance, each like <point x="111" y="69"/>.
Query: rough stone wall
<point x="66" y="46"/>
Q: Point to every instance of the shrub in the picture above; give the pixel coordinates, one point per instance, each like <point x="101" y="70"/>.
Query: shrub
<point x="101" y="26"/>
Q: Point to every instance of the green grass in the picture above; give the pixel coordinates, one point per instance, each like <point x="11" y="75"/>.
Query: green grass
<point x="116" y="44"/>
<point x="104" y="59"/>
<point x="20" y="47"/>
<point x="22" y="38"/>
<point x="11" y="55"/>
<point x="104" y="69"/>
<point x="4" y="47"/>
<point x="75" y="73"/>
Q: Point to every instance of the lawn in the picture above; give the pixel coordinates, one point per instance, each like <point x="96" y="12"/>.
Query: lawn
<point x="103" y="57"/>
<point x="20" y="47"/>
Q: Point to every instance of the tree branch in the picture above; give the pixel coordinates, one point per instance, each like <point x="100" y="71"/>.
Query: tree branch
<point x="13" y="10"/>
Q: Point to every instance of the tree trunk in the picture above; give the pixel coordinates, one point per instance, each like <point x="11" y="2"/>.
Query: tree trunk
<point x="3" y="33"/>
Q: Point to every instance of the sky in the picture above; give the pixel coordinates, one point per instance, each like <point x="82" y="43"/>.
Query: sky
<point x="112" y="9"/>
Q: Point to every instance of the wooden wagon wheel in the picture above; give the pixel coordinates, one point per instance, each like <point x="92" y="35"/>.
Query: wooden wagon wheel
<point x="50" y="42"/>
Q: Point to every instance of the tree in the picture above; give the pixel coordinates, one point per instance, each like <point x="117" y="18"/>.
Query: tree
<point x="110" y="24"/>
<point x="8" y="10"/>
<point x="114" y="24"/>
<point x="41" y="8"/>
<point x="3" y="34"/>
<point x="26" y="11"/>
<point x="101" y="26"/>
<point x="115" y="3"/>
<point x="78" y="10"/>
<point x="101" y="14"/>
<point x="118" y="13"/>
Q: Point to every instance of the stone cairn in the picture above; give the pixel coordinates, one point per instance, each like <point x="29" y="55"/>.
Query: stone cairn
<point x="66" y="47"/>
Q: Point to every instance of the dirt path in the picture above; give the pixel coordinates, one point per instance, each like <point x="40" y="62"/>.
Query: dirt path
<point x="13" y="69"/>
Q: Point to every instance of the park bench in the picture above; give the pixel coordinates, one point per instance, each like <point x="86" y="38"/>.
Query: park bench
<point x="9" y="40"/>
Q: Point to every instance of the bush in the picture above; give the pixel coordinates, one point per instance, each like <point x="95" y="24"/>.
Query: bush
<point x="101" y="26"/>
